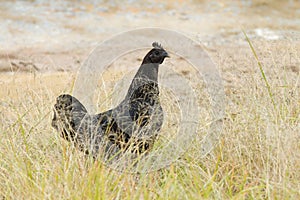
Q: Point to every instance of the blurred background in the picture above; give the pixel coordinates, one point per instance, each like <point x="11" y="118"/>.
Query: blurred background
<point x="43" y="44"/>
<point x="57" y="35"/>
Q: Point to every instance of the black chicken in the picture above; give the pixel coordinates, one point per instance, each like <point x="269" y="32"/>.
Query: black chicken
<point x="131" y="126"/>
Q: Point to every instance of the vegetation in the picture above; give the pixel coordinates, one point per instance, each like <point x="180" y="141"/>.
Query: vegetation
<point x="258" y="156"/>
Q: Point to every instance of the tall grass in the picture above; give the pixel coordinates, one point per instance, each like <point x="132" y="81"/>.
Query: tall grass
<point x="257" y="157"/>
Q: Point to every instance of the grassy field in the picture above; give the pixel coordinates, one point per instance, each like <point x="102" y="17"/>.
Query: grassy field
<point x="258" y="155"/>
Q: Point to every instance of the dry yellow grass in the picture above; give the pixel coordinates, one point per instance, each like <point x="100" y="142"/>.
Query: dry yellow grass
<point x="258" y="156"/>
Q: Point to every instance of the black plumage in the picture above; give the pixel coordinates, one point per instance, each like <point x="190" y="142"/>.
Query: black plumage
<point x="131" y="126"/>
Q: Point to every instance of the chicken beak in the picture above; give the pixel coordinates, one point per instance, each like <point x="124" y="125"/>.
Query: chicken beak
<point x="166" y="55"/>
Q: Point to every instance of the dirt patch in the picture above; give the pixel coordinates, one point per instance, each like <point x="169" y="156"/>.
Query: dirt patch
<point x="57" y="36"/>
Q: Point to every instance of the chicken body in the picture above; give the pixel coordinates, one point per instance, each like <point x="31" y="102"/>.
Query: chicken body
<point x="131" y="126"/>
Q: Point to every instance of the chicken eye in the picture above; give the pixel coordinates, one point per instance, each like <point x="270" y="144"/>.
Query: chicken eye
<point x="156" y="53"/>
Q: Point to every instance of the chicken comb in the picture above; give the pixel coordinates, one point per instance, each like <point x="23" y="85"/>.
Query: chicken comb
<point x="156" y="45"/>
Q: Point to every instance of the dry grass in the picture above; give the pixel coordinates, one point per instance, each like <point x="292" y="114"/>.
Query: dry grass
<point x="257" y="157"/>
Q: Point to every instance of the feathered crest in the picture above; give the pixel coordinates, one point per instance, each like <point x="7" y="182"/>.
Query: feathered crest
<point x="157" y="46"/>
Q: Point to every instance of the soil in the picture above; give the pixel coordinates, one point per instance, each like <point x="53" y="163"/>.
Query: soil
<point x="42" y="36"/>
